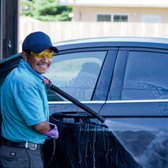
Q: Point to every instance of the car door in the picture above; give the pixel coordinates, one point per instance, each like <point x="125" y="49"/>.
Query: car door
<point x="137" y="105"/>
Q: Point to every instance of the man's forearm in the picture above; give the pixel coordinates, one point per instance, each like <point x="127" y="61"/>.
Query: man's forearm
<point x="42" y="127"/>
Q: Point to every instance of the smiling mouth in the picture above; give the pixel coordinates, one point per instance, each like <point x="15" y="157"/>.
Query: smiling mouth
<point x="43" y="65"/>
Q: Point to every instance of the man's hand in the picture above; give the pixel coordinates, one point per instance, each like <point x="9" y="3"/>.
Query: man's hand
<point x="48" y="129"/>
<point x="53" y="133"/>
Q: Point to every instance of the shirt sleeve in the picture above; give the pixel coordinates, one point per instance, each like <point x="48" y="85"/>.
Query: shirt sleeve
<point x="30" y="106"/>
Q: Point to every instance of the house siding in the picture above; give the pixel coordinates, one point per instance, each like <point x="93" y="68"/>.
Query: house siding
<point x="86" y="13"/>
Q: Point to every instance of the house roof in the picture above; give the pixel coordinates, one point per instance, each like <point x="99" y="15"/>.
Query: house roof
<point x="117" y="3"/>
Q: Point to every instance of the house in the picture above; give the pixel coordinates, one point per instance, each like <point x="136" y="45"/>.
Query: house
<point x="145" y="11"/>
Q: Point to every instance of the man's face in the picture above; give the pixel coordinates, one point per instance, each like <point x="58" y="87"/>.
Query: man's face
<point x="40" y="63"/>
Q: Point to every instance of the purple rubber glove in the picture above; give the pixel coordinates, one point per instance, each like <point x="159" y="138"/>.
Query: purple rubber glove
<point x="53" y="133"/>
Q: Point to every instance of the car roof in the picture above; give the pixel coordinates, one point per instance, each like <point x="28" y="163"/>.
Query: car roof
<point x="161" y="43"/>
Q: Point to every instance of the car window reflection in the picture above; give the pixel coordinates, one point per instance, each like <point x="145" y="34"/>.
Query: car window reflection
<point x="76" y="73"/>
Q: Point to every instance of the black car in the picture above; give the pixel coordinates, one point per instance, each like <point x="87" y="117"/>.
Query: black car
<point x="116" y="114"/>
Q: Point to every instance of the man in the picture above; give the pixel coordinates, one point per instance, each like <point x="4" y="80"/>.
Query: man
<point x="24" y="106"/>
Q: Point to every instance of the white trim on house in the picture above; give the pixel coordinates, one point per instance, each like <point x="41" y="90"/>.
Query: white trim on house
<point x="117" y="3"/>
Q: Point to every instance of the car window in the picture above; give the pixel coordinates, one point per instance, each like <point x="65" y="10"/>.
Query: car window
<point x="145" y="76"/>
<point x="76" y="73"/>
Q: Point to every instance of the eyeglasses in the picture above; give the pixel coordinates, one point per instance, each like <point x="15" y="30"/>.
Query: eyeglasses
<point x="42" y="54"/>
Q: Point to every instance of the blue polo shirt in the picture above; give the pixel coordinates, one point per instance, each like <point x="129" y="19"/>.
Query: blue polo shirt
<point x="23" y="104"/>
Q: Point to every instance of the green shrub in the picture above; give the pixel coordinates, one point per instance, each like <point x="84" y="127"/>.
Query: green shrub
<point x="46" y="10"/>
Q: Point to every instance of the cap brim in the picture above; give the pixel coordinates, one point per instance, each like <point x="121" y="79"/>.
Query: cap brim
<point x="54" y="49"/>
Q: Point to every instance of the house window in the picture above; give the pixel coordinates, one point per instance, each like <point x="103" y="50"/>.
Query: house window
<point x="103" y="18"/>
<point x="120" y="18"/>
<point x="112" y="18"/>
<point x="151" y="18"/>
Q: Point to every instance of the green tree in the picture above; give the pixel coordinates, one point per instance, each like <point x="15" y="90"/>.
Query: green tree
<point x="45" y="10"/>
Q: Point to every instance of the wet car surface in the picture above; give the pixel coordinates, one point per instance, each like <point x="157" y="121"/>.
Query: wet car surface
<point x="124" y="80"/>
